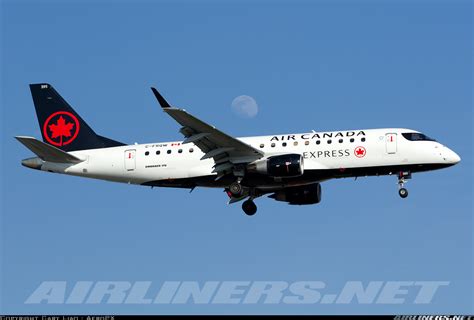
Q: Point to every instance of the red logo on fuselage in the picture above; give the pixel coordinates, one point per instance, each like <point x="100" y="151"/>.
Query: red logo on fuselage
<point x="360" y="152"/>
<point x="61" y="128"/>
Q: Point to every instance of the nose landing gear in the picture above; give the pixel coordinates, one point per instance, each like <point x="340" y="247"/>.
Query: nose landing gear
<point x="403" y="192"/>
<point x="403" y="176"/>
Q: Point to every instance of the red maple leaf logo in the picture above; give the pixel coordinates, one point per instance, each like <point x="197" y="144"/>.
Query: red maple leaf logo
<point x="359" y="152"/>
<point x="61" y="129"/>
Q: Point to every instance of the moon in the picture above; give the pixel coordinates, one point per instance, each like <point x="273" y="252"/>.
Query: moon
<point x="245" y="106"/>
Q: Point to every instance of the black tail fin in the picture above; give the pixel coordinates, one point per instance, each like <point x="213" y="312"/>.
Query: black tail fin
<point x="61" y="126"/>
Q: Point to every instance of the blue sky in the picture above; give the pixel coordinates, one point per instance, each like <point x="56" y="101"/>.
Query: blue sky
<point x="322" y="65"/>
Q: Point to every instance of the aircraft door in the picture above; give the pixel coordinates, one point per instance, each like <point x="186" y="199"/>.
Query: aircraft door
<point x="391" y="143"/>
<point x="130" y="159"/>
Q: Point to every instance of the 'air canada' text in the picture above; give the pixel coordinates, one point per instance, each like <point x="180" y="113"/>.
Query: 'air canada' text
<point x="309" y="136"/>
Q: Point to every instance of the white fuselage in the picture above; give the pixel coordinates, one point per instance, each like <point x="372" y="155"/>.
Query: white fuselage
<point x="338" y="152"/>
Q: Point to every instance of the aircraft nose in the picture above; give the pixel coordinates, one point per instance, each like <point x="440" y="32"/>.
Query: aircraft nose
<point x="451" y="156"/>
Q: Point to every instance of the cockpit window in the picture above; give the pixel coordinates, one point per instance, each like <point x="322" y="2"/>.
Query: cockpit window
<point x="415" y="136"/>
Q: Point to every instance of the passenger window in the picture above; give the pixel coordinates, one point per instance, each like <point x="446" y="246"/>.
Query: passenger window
<point x="168" y="152"/>
<point x="318" y="142"/>
<point x="262" y="145"/>
<point x="180" y="151"/>
<point x="191" y="150"/>
<point x="329" y="141"/>
<point x="341" y="140"/>
<point x="157" y="152"/>
<point x="306" y="143"/>
<point x="363" y="139"/>
<point x="273" y="145"/>
<point x="147" y="153"/>
<point x="295" y="143"/>
<point x="352" y="140"/>
<point x="284" y="144"/>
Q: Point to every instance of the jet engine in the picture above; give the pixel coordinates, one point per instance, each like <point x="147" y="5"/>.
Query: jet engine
<point x="309" y="194"/>
<point x="285" y="165"/>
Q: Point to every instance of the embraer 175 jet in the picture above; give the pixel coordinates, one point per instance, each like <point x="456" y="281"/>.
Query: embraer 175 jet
<point x="288" y="167"/>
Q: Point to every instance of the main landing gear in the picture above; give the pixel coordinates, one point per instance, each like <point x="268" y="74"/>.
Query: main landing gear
<point x="249" y="207"/>
<point x="403" y="176"/>
<point x="236" y="189"/>
<point x="236" y="192"/>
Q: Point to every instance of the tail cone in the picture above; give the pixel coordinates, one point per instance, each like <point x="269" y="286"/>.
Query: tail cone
<point x="33" y="163"/>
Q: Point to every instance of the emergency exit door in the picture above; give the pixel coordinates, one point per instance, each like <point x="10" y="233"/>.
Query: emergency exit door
<point x="391" y="143"/>
<point x="130" y="161"/>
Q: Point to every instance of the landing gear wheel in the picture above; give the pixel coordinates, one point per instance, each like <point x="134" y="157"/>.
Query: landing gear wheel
<point x="403" y="192"/>
<point x="403" y="176"/>
<point x="249" y="207"/>
<point x="236" y="189"/>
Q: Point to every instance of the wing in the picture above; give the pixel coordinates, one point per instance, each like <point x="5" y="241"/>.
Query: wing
<point x="226" y="151"/>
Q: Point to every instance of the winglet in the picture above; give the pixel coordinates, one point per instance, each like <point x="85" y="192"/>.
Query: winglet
<point x="163" y="103"/>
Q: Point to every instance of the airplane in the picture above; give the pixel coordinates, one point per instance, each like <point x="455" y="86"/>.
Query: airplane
<point x="286" y="167"/>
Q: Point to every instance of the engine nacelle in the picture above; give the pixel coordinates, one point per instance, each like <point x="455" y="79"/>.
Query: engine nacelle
<point x="285" y="165"/>
<point x="309" y="194"/>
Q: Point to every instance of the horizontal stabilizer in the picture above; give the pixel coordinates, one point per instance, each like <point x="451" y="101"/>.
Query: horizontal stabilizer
<point x="47" y="152"/>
